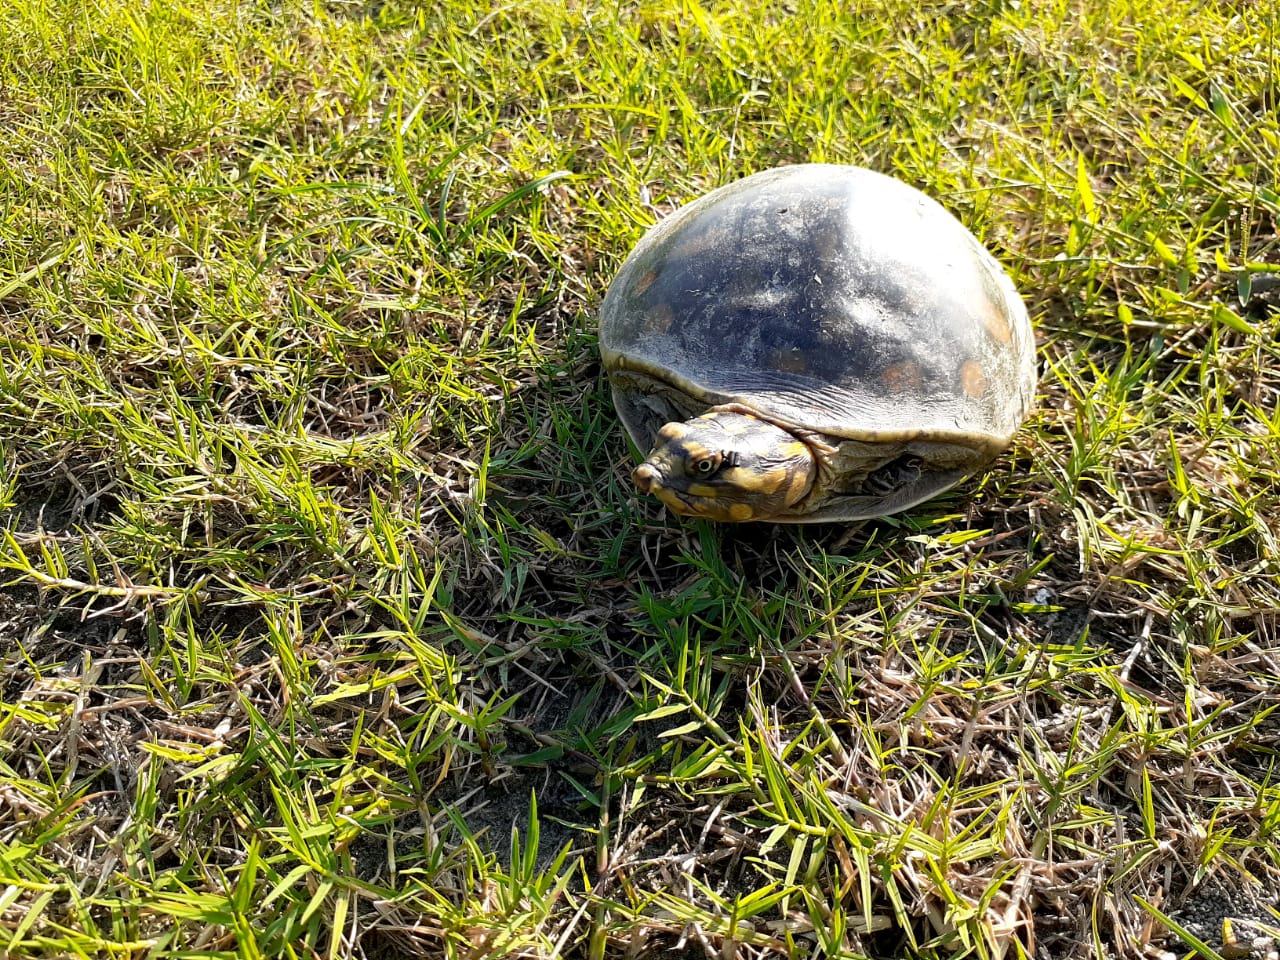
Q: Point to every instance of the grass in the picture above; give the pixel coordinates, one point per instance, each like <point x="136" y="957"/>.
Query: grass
<point x="331" y="626"/>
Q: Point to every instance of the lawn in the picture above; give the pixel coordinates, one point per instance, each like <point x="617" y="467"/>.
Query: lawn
<point x="332" y="626"/>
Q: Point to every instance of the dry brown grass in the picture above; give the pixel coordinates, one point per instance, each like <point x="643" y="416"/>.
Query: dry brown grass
<point x="331" y="626"/>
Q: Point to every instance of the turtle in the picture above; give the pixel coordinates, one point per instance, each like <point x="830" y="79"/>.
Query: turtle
<point x="815" y="342"/>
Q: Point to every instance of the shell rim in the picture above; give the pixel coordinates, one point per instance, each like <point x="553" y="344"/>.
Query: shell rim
<point x="615" y="361"/>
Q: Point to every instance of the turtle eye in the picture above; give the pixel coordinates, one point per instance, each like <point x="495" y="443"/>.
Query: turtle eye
<point x="706" y="466"/>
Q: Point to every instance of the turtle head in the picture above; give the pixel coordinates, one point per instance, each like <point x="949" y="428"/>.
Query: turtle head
<point x="728" y="466"/>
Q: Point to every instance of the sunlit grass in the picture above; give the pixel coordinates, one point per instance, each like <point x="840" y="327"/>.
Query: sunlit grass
<point x="331" y="625"/>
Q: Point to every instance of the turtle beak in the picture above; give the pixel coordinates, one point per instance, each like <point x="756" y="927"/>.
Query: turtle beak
<point x="646" y="477"/>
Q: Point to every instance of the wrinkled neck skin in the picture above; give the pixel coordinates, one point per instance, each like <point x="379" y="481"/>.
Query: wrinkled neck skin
<point x="732" y="466"/>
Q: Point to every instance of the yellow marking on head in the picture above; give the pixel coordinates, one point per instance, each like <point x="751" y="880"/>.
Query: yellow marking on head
<point x="901" y="377"/>
<point x="694" y="450"/>
<point x="797" y="488"/>
<point x="770" y="481"/>
<point x="776" y="469"/>
<point x="671" y="501"/>
<point x="734" y="424"/>
<point x="997" y="324"/>
<point x="796" y="450"/>
<point x="754" y="481"/>
<point x="972" y="379"/>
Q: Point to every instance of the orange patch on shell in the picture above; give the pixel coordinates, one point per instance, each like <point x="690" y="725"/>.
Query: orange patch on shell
<point x="644" y="283"/>
<point x="658" y="319"/>
<point x="997" y="324"/>
<point x="901" y="377"/>
<point x="972" y="379"/>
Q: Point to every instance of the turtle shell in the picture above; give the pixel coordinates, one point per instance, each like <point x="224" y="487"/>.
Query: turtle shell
<point x="828" y="298"/>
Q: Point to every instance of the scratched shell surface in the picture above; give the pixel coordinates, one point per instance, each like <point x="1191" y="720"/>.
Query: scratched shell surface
<point x="832" y="298"/>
